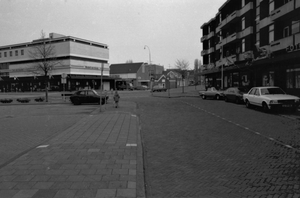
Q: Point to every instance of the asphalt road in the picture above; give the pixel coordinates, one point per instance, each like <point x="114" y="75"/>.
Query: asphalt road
<point x="208" y="148"/>
<point x="192" y="147"/>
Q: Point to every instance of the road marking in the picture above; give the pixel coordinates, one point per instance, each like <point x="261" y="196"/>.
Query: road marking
<point x="42" y="146"/>
<point x="131" y="144"/>
<point x="248" y="129"/>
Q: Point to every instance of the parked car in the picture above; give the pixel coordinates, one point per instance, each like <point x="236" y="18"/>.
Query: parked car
<point x="158" y="88"/>
<point x="140" y="87"/>
<point x="234" y="94"/>
<point x="270" y="98"/>
<point x="87" y="96"/>
<point x="211" y="92"/>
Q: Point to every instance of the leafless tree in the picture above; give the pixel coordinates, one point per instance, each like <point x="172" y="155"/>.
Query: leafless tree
<point x="44" y="54"/>
<point x="182" y="66"/>
<point x="129" y="61"/>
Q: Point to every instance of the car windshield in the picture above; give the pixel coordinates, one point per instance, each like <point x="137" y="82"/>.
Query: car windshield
<point x="95" y="92"/>
<point x="275" y="90"/>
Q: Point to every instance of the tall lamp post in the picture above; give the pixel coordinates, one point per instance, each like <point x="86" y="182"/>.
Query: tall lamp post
<point x="146" y="46"/>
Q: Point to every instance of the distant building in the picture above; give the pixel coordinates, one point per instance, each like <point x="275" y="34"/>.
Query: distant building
<point x="139" y="73"/>
<point x="81" y="62"/>
<point x="253" y="43"/>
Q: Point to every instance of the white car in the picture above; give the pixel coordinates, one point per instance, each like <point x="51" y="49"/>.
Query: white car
<point x="270" y="98"/>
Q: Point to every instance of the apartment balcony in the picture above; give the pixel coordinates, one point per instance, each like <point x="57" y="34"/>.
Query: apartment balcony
<point x="245" y="55"/>
<point x="208" y="36"/>
<point x="281" y="44"/>
<point x="211" y="34"/>
<point x="245" y="32"/>
<point x="297" y="38"/>
<point x="204" y="52"/>
<point x="235" y="15"/>
<point x="203" y="38"/>
<point x="297" y="4"/>
<point x="283" y="10"/>
<point x="264" y="23"/>
<point x="210" y="50"/>
<point x="245" y="9"/>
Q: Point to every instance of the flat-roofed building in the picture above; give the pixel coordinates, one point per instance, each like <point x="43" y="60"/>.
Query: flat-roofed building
<point x="81" y="62"/>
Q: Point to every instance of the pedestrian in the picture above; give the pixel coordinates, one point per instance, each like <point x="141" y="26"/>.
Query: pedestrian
<point x="116" y="99"/>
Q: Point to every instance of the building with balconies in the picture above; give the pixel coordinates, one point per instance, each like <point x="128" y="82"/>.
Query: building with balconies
<point x="255" y="43"/>
<point x="82" y="64"/>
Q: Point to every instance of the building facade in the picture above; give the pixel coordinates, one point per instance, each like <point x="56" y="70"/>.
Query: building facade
<point x="81" y="64"/>
<point x="253" y="43"/>
<point x="139" y="73"/>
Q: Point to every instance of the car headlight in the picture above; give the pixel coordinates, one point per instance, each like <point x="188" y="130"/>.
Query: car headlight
<point x="273" y="101"/>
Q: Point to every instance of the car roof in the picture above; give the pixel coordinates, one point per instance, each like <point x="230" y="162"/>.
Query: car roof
<point x="265" y="87"/>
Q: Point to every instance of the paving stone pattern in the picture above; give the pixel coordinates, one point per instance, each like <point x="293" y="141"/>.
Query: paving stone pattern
<point x="97" y="157"/>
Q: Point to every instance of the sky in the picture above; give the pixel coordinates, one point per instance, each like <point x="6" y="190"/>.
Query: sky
<point x="169" y="28"/>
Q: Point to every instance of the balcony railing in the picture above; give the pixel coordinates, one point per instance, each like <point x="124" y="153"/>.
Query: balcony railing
<point x="281" y="44"/>
<point x="245" y="32"/>
<point x="235" y="15"/>
<point x="283" y="10"/>
<point x="203" y="38"/>
<point x="210" y="50"/>
<point x="264" y="23"/>
<point x="211" y="34"/>
<point x="204" y="52"/>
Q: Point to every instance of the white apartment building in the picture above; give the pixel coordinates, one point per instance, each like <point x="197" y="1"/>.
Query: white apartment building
<point x="81" y="64"/>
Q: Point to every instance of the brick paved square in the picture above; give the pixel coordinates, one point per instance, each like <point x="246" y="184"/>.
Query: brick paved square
<point x="24" y="185"/>
<point x="86" y="193"/>
<point x="44" y="193"/>
<point x="126" y="192"/>
<point x="80" y="185"/>
<point x="25" y="193"/>
<point x="7" y="185"/>
<point x="65" y="194"/>
<point x="43" y="185"/>
<point x="98" y="185"/>
<point x="106" y="193"/>
<point x="61" y="185"/>
<point x="117" y="184"/>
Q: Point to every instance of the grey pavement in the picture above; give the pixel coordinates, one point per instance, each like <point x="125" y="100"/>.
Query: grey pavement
<point x="100" y="156"/>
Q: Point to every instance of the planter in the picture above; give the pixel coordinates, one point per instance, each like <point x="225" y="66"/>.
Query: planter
<point x="40" y="99"/>
<point x="23" y="100"/>
<point x="6" y="100"/>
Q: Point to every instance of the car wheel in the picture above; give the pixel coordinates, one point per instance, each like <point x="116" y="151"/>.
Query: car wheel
<point x="76" y="101"/>
<point x="237" y="100"/>
<point x="226" y="99"/>
<point x="265" y="107"/>
<point x="217" y="97"/>
<point x="203" y="97"/>
<point x="248" y="105"/>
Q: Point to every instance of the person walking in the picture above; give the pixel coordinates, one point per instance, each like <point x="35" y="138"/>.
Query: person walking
<point x="116" y="99"/>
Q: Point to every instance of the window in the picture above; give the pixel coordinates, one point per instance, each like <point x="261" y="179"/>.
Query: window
<point x="271" y="6"/>
<point x="243" y="23"/>
<point x="22" y="52"/>
<point x="16" y="53"/>
<point x="5" y="54"/>
<point x="243" y="45"/>
<point x="243" y="3"/>
<point x="0" y="54"/>
<point x="293" y="78"/>
<point x="295" y="27"/>
<point x="286" y="32"/>
<point x="10" y="53"/>
<point x="271" y="33"/>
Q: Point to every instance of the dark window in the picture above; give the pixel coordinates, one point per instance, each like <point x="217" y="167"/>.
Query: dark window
<point x="22" y="52"/>
<point x="16" y="53"/>
<point x="10" y="53"/>
<point x="5" y="54"/>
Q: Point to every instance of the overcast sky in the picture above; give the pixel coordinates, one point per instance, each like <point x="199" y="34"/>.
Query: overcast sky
<point x="170" y="28"/>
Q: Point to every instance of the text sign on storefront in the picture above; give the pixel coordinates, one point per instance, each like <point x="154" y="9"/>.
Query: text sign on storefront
<point x="293" y="48"/>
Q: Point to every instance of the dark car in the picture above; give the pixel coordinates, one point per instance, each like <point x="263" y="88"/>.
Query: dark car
<point x="87" y="96"/>
<point x="234" y="94"/>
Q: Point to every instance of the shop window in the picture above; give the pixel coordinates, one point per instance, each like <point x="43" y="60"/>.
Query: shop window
<point x="295" y="27"/>
<point x="286" y="32"/>
<point x="293" y="78"/>
<point x="243" y="23"/>
<point x="243" y="46"/>
<point x="271" y="33"/>
<point x="268" y="79"/>
<point x="271" y="6"/>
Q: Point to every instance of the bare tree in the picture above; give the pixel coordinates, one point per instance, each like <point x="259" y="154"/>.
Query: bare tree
<point x="182" y="66"/>
<point x="129" y="61"/>
<point x="45" y="55"/>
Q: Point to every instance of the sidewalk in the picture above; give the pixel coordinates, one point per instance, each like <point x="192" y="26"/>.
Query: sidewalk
<point x="100" y="156"/>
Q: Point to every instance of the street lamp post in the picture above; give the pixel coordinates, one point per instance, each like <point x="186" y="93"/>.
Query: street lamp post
<point x="101" y="86"/>
<point x="146" y="46"/>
